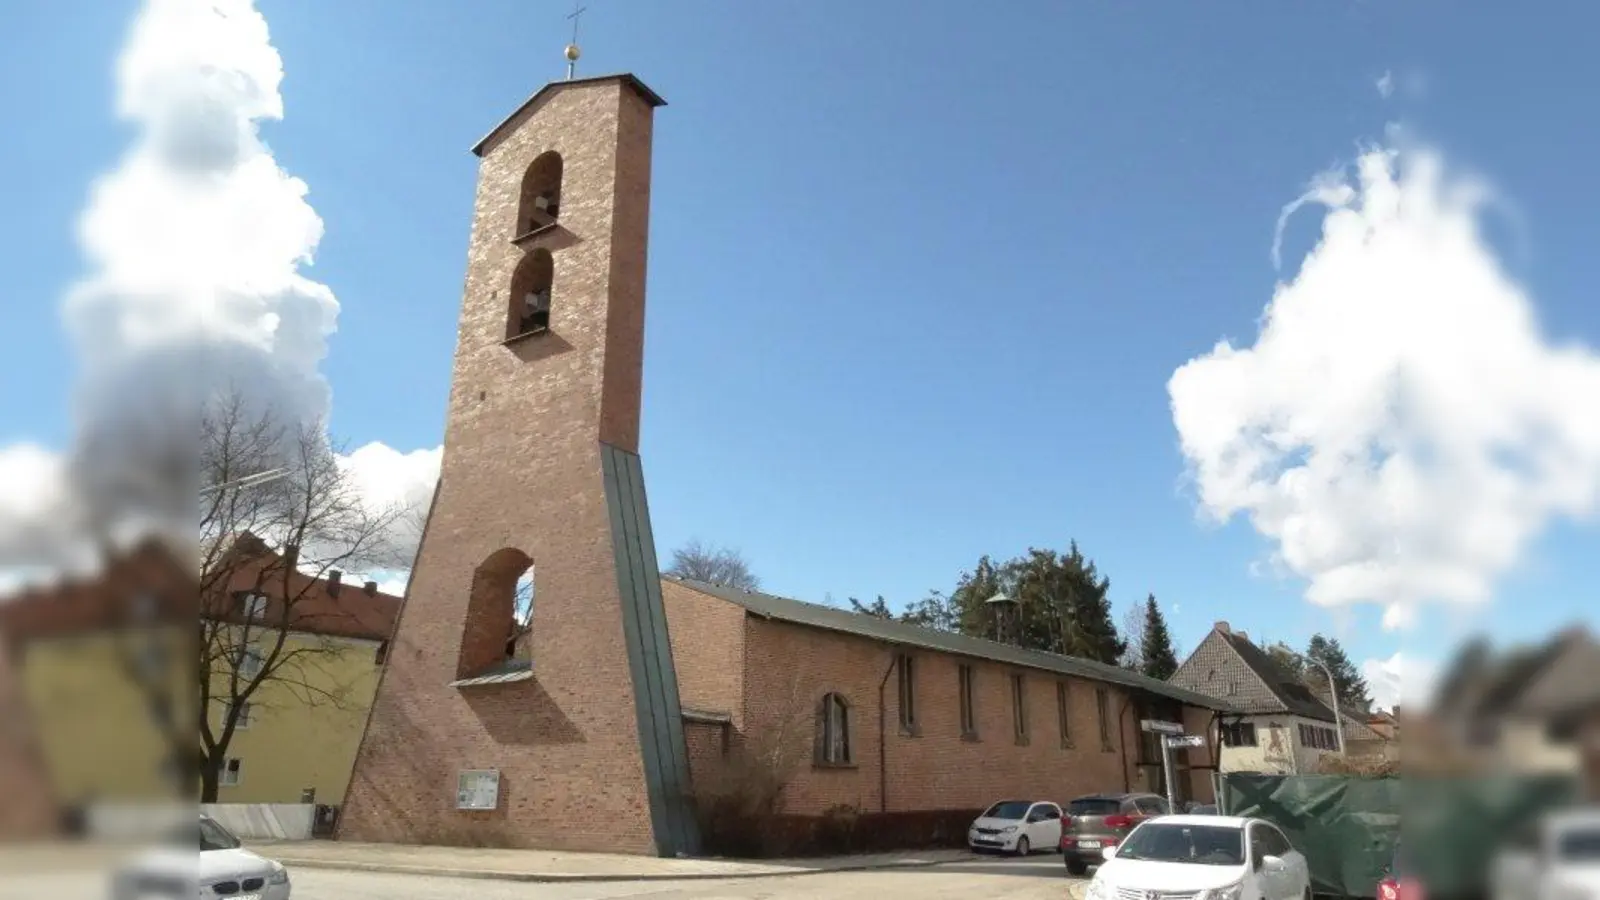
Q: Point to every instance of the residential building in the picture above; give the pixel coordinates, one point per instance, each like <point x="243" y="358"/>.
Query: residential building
<point x="98" y="664"/>
<point x="322" y="642"/>
<point x="109" y="662"/>
<point x="1278" y="727"/>
<point x="31" y="811"/>
<point x="1524" y="710"/>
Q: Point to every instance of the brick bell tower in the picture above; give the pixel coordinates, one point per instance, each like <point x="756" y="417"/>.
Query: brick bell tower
<point x="561" y="728"/>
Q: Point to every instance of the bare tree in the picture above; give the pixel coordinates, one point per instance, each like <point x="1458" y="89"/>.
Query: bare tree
<point x="713" y="565"/>
<point x="268" y="633"/>
<point x="737" y="799"/>
<point x="1133" y="633"/>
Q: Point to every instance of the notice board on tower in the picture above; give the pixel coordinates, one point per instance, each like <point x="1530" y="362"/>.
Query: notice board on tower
<point x="478" y="789"/>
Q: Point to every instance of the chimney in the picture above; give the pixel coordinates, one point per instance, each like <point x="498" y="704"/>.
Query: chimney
<point x="370" y="588"/>
<point x="1243" y="635"/>
<point x="1223" y="627"/>
<point x="334" y="576"/>
<point x="291" y="557"/>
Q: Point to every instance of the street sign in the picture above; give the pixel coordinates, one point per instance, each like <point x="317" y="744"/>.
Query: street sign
<point x="1185" y="740"/>
<point x="1161" y="727"/>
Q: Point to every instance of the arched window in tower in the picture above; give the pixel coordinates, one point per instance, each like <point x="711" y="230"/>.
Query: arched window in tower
<point x="540" y="204"/>
<point x="530" y="294"/>
<point x="518" y="646"/>
<point x="493" y="633"/>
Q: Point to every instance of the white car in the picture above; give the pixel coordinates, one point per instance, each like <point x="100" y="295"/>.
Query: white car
<point x="1202" y="858"/>
<point x="223" y="870"/>
<point x="1017" y="826"/>
<point x="1558" y="858"/>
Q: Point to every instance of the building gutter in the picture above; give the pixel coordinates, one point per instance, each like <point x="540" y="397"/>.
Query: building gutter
<point x="1122" y="739"/>
<point x="883" y="732"/>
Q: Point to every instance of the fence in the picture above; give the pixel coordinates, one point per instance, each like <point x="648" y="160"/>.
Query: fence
<point x="265" y="821"/>
<point x="1348" y="826"/>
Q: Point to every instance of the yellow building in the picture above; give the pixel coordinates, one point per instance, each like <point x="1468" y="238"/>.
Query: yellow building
<point x="106" y="669"/>
<point x="295" y="739"/>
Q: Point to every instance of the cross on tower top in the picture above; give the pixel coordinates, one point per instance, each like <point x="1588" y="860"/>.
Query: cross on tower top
<point x="572" y="48"/>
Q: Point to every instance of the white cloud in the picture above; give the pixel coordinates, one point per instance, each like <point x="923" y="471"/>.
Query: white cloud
<point x="1400" y="430"/>
<point x="1399" y="680"/>
<point x="1386" y="85"/>
<point x="390" y="480"/>
<point x="35" y="502"/>
<point x="195" y="244"/>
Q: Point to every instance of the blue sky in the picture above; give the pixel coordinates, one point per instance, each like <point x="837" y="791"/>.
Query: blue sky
<point x="920" y="272"/>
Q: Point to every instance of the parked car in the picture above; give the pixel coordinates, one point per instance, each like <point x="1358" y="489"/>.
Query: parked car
<point x="1097" y="821"/>
<point x="1202" y="809"/>
<point x="1557" y="857"/>
<point x="222" y="869"/>
<point x="1017" y="826"/>
<point x="1218" y="857"/>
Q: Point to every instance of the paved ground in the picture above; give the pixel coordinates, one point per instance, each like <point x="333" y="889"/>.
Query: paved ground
<point x="1036" y="879"/>
<point x="542" y="865"/>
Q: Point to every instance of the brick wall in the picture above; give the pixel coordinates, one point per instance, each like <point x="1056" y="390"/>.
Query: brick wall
<point x="935" y="767"/>
<point x="707" y="745"/>
<point x="707" y="650"/>
<point x="522" y="470"/>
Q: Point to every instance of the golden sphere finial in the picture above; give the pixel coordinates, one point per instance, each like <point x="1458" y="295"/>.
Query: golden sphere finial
<point x="572" y="53"/>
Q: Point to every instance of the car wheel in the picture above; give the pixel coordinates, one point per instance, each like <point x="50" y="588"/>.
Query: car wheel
<point x="1077" y="867"/>
<point x="1022" y="847"/>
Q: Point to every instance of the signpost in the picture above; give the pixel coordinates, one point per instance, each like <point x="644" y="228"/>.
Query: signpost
<point x="1160" y="727"/>
<point x="1173" y="738"/>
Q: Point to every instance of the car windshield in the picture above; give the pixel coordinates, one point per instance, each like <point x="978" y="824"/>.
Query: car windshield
<point x="1095" y="806"/>
<point x="1008" y="809"/>
<point x="1579" y="845"/>
<point x="214" y="837"/>
<point x="1207" y="845"/>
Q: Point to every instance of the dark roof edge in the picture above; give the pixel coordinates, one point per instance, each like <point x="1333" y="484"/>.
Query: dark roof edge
<point x="626" y="78"/>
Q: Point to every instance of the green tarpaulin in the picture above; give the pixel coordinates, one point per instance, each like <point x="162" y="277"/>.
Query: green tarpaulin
<point x="1347" y="826"/>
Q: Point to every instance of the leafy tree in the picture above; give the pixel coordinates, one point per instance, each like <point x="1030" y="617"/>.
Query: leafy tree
<point x="713" y="565"/>
<point x="1353" y="689"/>
<point x="1159" y="659"/>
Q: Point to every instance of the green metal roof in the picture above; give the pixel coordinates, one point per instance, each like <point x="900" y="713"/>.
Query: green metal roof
<point x="830" y="618"/>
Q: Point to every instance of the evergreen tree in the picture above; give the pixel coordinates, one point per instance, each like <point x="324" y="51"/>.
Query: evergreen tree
<point x="1353" y="689"/>
<point x="1058" y="603"/>
<point x="1158" y="658"/>
<point x="933" y="611"/>
<point x="878" y="608"/>
<point x="1089" y="631"/>
<point x="969" y="602"/>
<point x="1288" y="659"/>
